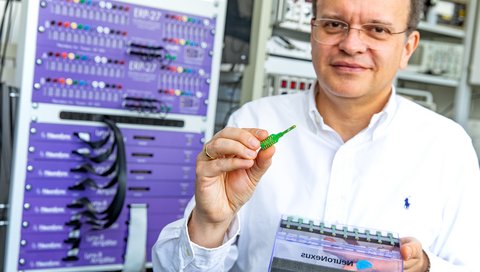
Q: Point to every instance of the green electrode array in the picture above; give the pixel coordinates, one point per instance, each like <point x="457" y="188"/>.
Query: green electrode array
<point x="273" y="138"/>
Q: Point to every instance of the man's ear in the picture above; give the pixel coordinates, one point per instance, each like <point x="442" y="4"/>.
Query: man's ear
<point x="409" y="47"/>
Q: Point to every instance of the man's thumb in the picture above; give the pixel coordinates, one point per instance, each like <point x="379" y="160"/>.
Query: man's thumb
<point x="406" y="253"/>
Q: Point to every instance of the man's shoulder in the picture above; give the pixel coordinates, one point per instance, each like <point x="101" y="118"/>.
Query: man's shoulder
<point x="421" y="118"/>
<point x="277" y="101"/>
<point x="271" y="109"/>
<point x="277" y="104"/>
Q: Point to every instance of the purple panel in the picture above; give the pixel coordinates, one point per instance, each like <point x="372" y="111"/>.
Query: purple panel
<point x="56" y="223"/>
<point x="40" y="132"/>
<point x="158" y="207"/>
<point x="54" y="151"/>
<point x="93" y="239"/>
<point x="53" y="259"/>
<point x="160" y="189"/>
<point x="164" y="180"/>
<point x="58" y="206"/>
<point x="161" y="155"/>
<point x="41" y="188"/>
<point x="86" y="59"/>
<point x="135" y="154"/>
<point x="164" y="138"/>
<point x="132" y="137"/>
<point x="152" y="239"/>
<point x="45" y="169"/>
<point x="56" y="177"/>
<point x="156" y="221"/>
<point x="161" y="211"/>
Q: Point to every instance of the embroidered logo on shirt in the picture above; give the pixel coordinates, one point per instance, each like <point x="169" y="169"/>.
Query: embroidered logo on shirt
<point x="407" y="203"/>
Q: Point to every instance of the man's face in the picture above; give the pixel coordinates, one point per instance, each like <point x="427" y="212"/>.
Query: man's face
<point x="351" y="68"/>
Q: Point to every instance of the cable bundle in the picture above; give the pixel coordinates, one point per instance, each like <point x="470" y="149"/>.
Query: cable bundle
<point x="88" y="214"/>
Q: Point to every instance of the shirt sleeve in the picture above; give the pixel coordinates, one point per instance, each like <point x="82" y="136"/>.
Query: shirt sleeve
<point x="456" y="248"/>
<point x="174" y="251"/>
<point x="438" y="264"/>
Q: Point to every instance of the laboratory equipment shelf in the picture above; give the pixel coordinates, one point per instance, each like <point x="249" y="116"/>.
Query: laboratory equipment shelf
<point x="264" y="54"/>
<point x="428" y="79"/>
<point x="442" y="30"/>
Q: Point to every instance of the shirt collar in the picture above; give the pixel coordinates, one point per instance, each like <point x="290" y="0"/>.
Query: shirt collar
<point x="377" y="124"/>
<point x="381" y="120"/>
<point x="312" y="112"/>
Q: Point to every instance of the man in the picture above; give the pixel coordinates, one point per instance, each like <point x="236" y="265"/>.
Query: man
<point x="360" y="156"/>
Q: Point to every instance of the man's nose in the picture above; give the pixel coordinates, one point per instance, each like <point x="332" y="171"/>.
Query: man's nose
<point x="353" y="42"/>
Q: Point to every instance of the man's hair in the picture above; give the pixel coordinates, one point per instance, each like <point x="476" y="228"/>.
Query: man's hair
<point x="416" y="9"/>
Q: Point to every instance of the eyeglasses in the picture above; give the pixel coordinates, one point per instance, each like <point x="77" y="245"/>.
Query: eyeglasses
<point x="332" y="32"/>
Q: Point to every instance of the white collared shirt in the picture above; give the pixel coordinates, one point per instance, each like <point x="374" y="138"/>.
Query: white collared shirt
<point x="407" y="154"/>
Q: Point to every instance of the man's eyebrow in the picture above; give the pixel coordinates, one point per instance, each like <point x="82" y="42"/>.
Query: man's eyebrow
<point x="341" y="18"/>
<point x="332" y="16"/>
<point x="382" y="22"/>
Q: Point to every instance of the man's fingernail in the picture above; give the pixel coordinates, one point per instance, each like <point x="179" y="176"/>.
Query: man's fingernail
<point x="251" y="153"/>
<point x="253" y="142"/>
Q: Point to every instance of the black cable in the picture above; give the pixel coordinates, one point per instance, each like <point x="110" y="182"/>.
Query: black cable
<point x="9" y="9"/>
<point x="88" y="182"/>
<point x="150" y="47"/>
<point x="95" y="158"/>
<point x="232" y="107"/>
<point x="113" y="211"/>
<point x="4" y="145"/>
<point x="6" y="139"/>
<point x="145" y="56"/>
<point x="3" y="18"/>
<point x="14" y="93"/>
<point x="119" y="198"/>
<point x="93" y="144"/>
<point x="235" y="88"/>
<point x="227" y="115"/>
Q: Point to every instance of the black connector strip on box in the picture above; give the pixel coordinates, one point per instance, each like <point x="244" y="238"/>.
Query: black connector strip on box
<point x="79" y="116"/>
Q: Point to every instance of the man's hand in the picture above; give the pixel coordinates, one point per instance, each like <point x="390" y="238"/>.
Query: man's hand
<point x="415" y="260"/>
<point x="227" y="173"/>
